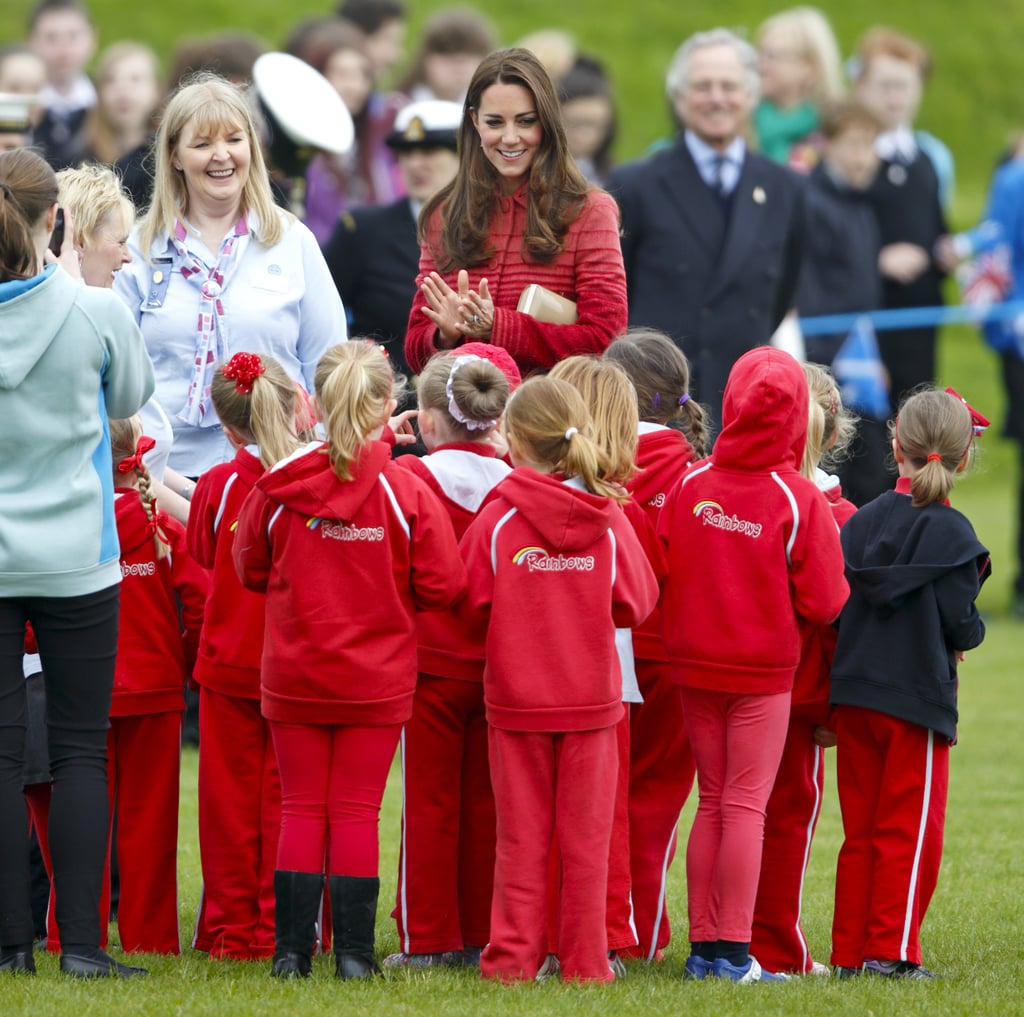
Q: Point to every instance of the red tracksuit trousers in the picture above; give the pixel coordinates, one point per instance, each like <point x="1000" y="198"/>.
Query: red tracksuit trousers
<point x="446" y="866"/>
<point x="239" y="826"/>
<point x="778" y="940"/>
<point x="619" y="908"/>
<point x="893" y="778"/>
<point x="661" y="772"/>
<point x="143" y="773"/>
<point x="548" y="783"/>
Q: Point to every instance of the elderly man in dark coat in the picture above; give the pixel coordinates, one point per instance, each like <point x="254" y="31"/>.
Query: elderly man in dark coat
<point x="711" y="231"/>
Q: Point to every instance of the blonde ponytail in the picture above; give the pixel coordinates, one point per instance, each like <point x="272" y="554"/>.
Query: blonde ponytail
<point x="548" y="419"/>
<point x="354" y="385"/>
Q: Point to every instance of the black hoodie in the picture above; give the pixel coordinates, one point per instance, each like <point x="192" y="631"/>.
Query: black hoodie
<point x="914" y="574"/>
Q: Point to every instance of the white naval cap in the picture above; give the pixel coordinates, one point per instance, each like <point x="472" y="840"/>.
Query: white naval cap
<point x="431" y="123"/>
<point x="302" y="103"/>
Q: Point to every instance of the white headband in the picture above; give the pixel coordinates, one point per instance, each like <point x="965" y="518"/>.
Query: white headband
<point x="453" y="406"/>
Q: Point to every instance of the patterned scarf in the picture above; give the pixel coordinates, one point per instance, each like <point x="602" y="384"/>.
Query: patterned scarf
<point x="211" y="337"/>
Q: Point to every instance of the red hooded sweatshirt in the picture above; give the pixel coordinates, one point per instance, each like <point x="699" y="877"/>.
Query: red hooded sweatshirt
<point x="231" y="643"/>
<point x="752" y="545"/>
<point x="345" y="565"/>
<point x="818" y="642"/>
<point x="154" y="654"/>
<point x="462" y="475"/>
<point x="559" y="569"/>
<point x="662" y="457"/>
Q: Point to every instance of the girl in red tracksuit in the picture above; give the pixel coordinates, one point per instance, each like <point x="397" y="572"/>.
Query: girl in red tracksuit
<point x="752" y="548"/>
<point x="612" y="401"/>
<point x="558" y="567"/>
<point x="446" y="865"/>
<point x="672" y="434"/>
<point x="156" y="648"/>
<point x="915" y="568"/>
<point x="347" y="546"/>
<point x="239" y="787"/>
<point x="778" y="939"/>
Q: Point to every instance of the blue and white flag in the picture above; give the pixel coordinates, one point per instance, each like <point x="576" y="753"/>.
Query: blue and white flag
<point x="860" y="373"/>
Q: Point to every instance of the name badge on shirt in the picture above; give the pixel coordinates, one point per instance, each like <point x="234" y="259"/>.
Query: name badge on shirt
<point x="271" y="278"/>
<point x="159" y="280"/>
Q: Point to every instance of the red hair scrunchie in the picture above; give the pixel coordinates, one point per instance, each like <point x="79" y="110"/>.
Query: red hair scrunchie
<point x="243" y="369"/>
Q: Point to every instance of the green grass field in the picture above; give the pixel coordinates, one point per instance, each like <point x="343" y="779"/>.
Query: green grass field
<point x="972" y="934"/>
<point x="974" y="929"/>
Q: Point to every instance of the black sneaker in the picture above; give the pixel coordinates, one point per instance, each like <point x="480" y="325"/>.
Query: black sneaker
<point x="897" y="969"/>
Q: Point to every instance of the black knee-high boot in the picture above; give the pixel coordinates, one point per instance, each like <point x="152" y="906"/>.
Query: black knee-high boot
<point x="353" y="914"/>
<point x="297" y="903"/>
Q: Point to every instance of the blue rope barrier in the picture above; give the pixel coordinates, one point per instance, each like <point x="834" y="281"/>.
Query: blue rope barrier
<point x="912" y="317"/>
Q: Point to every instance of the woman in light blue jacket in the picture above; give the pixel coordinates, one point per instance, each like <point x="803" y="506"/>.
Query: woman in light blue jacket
<point x="70" y="357"/>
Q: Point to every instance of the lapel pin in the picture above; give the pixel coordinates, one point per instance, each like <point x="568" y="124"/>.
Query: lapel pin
<point x="759" y="196"/>
<point x="158" y="277"/>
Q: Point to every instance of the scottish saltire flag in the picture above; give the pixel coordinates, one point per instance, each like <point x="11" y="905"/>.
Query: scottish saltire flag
<point x="859" y="371"/>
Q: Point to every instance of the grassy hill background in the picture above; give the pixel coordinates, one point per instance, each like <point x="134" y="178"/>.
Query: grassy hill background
<point x="972" y="103"/>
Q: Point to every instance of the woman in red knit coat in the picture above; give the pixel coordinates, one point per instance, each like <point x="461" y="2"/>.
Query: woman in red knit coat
<point x="518" y="212"/>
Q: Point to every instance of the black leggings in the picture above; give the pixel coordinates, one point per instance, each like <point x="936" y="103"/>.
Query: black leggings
<point x="77" y="639"/>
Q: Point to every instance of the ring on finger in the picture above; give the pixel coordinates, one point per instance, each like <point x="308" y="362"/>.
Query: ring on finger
<point x="475" y="320"/>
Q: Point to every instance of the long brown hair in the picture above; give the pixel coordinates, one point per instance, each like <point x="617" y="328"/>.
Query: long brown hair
<point x="935" y="434"/>
<point x="555" y="188"/>
<point x="28" y="188"/>
<point x="660" y="374"/>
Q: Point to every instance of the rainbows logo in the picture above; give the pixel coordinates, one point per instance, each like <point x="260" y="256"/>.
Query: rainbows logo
<point x="524" y="552"/>
<point x="313" y="522"/>
<point x="707" y="506"/>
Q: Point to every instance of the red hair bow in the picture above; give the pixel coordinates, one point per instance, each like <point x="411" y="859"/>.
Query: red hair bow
<point x="980" y="423"/>
<point x="243" y="369"/>
<point x="129" y="463"/>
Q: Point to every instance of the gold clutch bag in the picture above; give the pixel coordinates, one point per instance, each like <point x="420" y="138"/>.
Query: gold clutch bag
<point x="545" y="305"/>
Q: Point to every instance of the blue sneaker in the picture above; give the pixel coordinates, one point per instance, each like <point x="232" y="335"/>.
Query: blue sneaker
<point x="749" y="972"/>
<point x="697" y="968"/>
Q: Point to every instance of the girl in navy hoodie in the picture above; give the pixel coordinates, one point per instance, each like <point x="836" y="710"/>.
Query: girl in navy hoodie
<point x="239" y="786"/>
<point x="915" y="568"/>
<point x="347" y="546"/>
<point x="558" y="567"/>
<point x="752" y="549"/>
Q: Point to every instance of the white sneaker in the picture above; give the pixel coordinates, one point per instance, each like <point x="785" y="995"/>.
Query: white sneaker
<point x="551" y="968"/>
<point x="820" y="970"/>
